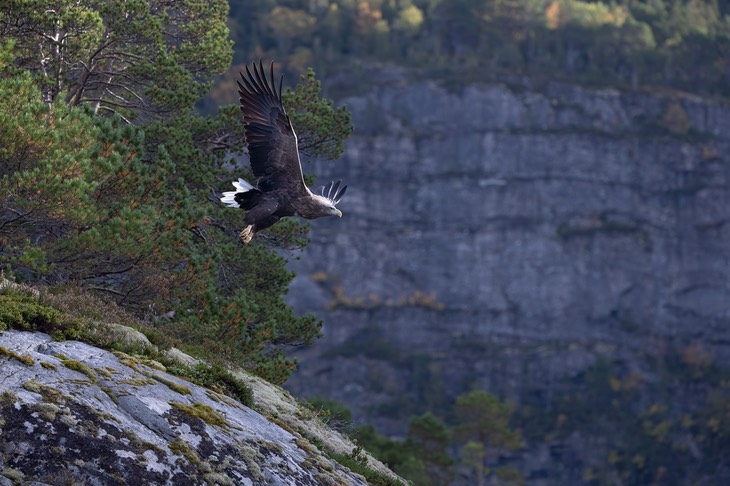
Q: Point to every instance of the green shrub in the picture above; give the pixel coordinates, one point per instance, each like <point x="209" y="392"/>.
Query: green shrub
<point x="217" y="378"/>
<point x="24" y="313"/>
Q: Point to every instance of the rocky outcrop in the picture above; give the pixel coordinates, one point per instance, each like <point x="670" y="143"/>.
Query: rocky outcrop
<point x="74" y="413"/>
<point x="505" y="236"/>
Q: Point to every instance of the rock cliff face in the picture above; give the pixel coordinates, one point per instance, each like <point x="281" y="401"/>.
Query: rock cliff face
<point x="505" y="236"/>
<point x="71" y="413"/>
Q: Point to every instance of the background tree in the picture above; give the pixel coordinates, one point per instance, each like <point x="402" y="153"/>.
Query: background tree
<point x="680" y="44"/>
<point x="473" y="456"/>
<point x="429" y="438"/>
<point x="483" y="424"/>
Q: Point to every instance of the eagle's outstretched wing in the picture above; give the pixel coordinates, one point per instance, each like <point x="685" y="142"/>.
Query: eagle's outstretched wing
<point x="272" y="143"/>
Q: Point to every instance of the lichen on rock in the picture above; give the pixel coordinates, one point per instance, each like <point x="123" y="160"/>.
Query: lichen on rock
<point x="63" y="421"/>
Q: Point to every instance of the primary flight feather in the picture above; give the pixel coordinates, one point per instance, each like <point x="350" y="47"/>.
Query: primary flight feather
<point x="279" y="190"/>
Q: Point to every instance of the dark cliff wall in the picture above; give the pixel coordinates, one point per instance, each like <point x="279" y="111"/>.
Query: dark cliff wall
<point x="505" y="237"/>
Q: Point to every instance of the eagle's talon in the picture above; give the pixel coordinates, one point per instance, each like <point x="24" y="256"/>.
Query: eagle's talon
<point x="247" y="234"/>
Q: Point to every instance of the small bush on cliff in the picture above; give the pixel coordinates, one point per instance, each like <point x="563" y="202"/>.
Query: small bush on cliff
<point x="217" y="378"/>
<point x="18" y="311"/>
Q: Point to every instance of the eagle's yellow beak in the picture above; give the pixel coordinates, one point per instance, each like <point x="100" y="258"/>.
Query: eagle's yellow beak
<point x="339" y="213"/>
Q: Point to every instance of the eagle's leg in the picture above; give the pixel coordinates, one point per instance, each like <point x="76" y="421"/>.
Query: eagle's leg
<point x="247" y="234"/>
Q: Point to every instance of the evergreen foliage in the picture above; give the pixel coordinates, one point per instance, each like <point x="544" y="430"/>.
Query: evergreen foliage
<point x="429" y="439"/>
<point x="484" y="418"/>
<point x="666" y="424"/>
<point x="129" y="57"/>
<point x="108" y="177"/>
<point x="482" y="433"/>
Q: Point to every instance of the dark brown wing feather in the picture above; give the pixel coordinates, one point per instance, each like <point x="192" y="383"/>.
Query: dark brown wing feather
<point x="272" y="143"/>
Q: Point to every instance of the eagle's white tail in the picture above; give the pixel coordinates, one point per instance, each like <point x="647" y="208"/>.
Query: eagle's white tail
<point x="229" y="198"/>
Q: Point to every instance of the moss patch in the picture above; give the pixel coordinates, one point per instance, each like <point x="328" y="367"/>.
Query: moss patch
<point x="110" y="394"/>
<point x="49" y="394"/>
<point x="49" y="366"/>
<point x="26" y="360"/>
<point x="154" y="364"/>
<point x="32" y="386"/>
<point x="13" y="474"/>
<point x="72" y="364"/>
<point x="218" y="478"/>
<point x="127" y="360"/>
<point x="105" y="373"/>
<point x="270" y="446"/>
<point x="251" y="457"/>
<point x="202" y="412"/>
<point x="8" y="398"/>
<point x="174" y="386"/>
<point x="305" y="445"/>
<point x="181" y="448"/>
<point x="47" y="410"/>
<point x="141" y="381"/>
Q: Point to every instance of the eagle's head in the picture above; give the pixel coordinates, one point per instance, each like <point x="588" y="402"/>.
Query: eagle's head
<point x="327" y="207"/>
<point x="328" y="198"/>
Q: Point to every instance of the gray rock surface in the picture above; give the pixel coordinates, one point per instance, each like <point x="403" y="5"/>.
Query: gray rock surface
<point x="504" y="237"/>
<point x="73" y="413"/>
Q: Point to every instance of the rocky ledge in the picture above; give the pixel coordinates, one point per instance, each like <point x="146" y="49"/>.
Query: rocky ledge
<point x="73" y="413"/>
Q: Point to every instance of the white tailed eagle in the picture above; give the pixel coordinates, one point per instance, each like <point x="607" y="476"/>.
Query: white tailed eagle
<point x="272" y="147"/>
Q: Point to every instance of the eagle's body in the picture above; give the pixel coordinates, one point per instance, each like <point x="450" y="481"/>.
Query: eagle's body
<point x="280" y="190"/>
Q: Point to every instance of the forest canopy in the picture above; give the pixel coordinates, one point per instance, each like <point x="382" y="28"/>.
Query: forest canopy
<point x="680" y="44"/>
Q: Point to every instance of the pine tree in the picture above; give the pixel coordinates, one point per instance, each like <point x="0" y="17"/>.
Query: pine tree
<point x="129" y="209"/>
<point x="129" y="57"/>
<point x="429" y="438"/>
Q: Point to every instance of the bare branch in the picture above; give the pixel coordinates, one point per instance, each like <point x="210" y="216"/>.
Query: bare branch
<point x="115" y="112"/>
<point x="19" y="215"/>
<point x="111" y="291"/>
